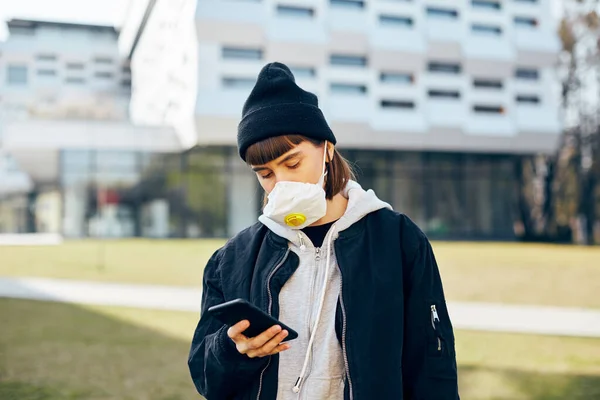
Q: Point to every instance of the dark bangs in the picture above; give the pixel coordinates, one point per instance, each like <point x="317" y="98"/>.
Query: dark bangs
<point x="264" y="152"/>
<point x="339" y="171"/>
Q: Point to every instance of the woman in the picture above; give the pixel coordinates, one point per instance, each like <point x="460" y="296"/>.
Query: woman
<point x="356" y="280"/>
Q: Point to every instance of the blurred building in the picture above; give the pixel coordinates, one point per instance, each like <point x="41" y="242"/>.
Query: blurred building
<point x="65" y="134"/>
<point x="436" y="102"/>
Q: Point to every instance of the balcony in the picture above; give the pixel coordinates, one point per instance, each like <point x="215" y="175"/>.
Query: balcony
<point x="392" y="91"/>
<point x="289" y="29"/>
<point x="407" y="121"/>
<point x="445" y="31"/>
<point x="233" y="21"/>
<point x="537" y="119"/>
<point x="347" y="20"/>
<point x="446" y="113"/>
<point x="296" y="41"/>
<point x="536" y="47"/>
<point x="499" y="125"/>
<point x="488" y="56"/>
<point x="347" y="108"/>
<point x="231" y="11"/>
<point x="388" y="45"/>
<point x="489" y="96"/>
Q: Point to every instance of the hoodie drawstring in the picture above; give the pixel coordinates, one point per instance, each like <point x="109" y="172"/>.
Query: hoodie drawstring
<point x="300" y="380"/>
<point x="302" y="245"/>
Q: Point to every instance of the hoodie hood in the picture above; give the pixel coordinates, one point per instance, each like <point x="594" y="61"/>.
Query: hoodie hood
<point x="360" y="203"/>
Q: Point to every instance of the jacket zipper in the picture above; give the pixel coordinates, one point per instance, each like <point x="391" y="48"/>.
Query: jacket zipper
<point x="346" y="364"/>
<point x="269" y="311"/>
<point x="435" y="317"/>
<point x="314" y="284"/>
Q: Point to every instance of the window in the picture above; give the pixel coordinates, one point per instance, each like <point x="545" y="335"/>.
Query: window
<point x="291" y="11"/>
<point x="525" y="22"/>
<point x="488" y="109"/>
<point x="486" y="5"/>
<point x="355" y="4"/>
<point x="75" y="81"/>
<point x="303" y="72"/>
<point x="242" y="53"/>
<point x="487" y="84"/>
<point x="104" y="75"/>
<point x="444" y="94"/>
<point x="528" y="99"/>
<point x="238" y="83"/>
<point x="527" y="74"/>
<point x="46" y="57"/>
<point x="396" y="78"/>
<point x="348" y="61"/>
<point x="449" y="68"/>
<point x="75" y="66"/>
<point x="398" y="104"/>
<point x="16" y="75"/>
<point x="103" y="60"/>
<point x="46" y="72"/>
<point x="393" y="20"/>
<point x="447" y="13"/>
<point x="345" y="88"/>
<point x="486" y="29"/>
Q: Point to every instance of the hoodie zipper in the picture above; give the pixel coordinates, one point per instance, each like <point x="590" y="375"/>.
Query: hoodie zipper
<point x="269" y="311"/>
<point x="312" y="290"/>
<point x="346" y="364"/>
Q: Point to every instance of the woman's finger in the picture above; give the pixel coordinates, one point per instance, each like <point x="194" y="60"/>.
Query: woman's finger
<point x="281" y="347"/>
<point x="260" y="340"/>
<point x="273" y="343"/>
<point x="262" y="353"/>
<point x="235" y="331"/>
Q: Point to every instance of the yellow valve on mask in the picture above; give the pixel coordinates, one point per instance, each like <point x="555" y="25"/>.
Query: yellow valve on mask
<point x="295" y="220"/>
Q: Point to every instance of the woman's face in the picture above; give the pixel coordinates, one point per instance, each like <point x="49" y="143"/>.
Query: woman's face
<point x="303" y="163"/>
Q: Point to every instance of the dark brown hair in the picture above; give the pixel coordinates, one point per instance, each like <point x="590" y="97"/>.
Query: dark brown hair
<point x="339" y="171"/>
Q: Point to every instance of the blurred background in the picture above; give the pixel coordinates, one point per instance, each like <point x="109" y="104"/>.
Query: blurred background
<point x="119" y="175"/>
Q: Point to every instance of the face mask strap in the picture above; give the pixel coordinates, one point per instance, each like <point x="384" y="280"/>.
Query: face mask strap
<point x="322" y="178"/>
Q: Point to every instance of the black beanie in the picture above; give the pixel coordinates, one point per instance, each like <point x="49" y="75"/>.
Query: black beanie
<point x="276" y="107"/>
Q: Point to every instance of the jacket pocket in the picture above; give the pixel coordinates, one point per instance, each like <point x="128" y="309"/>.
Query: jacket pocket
<point x="441" y="361"/>
<point x="436" y="341"/>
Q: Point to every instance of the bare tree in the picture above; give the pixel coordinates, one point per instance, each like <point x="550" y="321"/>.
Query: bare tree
<point x="559" y="197"/>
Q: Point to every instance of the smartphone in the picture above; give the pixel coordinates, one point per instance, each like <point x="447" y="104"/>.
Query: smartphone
<point x="234" y="311"/>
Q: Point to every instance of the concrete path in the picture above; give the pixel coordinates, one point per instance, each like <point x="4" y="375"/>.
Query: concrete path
<point x="471" y="316"/>
<point x="101" y="293"/>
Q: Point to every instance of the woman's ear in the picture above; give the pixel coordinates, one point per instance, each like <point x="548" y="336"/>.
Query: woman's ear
<point x="330" y="151"/>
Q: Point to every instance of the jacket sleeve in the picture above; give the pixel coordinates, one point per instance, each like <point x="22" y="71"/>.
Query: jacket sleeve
<point x="218" y="370"/>
<point x="429" y="355"/>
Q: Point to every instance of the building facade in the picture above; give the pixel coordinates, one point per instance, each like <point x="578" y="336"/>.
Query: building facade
<point x="434" y="102"/>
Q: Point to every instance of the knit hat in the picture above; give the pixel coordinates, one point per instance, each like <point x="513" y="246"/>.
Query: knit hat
<point x="277" y="106"/>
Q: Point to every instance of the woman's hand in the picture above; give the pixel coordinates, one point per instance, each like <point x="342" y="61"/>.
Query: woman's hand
<point x="265" y="344"/>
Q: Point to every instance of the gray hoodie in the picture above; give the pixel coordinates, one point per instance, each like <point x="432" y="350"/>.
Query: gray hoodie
<point x="300" y="300"/>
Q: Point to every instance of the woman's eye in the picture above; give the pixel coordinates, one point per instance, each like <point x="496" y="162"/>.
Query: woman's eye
<point x="267" y="176"/>
<point x="294" y="166"/>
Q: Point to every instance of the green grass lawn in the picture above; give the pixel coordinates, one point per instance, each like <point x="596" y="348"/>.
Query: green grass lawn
<point x="496" y="272"/>
<point x="52" y="351"/>
<point x="163" y="262"/>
